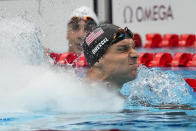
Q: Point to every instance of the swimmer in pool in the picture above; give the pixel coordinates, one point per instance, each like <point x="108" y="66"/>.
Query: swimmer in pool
<point x="110" y="53"/>
<point x="82" y="21"/>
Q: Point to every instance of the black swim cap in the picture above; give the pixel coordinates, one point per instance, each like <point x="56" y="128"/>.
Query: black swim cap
<point x="100" y="39"/>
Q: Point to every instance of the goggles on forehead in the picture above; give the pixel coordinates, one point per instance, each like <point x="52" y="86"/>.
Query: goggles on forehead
<point x="121" y="34"/>
<point x="77" y="18"/>
<point x="89" y="23"/>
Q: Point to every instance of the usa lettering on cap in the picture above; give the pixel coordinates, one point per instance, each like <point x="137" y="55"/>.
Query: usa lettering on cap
<point x="99" y="45"/>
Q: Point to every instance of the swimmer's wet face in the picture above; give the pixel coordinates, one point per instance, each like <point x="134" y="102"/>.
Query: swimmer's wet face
<point x="75" y="36"/>
<point x="120" y="62"/>
<point x="111" y="55"/>
<point x="77" y="29"/>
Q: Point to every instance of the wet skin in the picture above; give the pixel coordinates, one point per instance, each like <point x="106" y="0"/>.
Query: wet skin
<point x="120" y="62"/>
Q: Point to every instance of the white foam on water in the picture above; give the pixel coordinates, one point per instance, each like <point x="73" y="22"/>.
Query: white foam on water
<point x="29" y="83"/>
<point x="155" y="87"/>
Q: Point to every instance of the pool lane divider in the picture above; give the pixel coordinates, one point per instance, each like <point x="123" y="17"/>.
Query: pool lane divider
<point x="159" y="59"/>
<point x="191" y="82"/>
<point x="69" y="58"/>
<point x="155" y="40"/>
<point x="164" y="59"/>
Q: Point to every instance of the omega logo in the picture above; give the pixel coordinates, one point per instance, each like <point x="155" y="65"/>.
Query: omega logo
<point x="143" y="14"/>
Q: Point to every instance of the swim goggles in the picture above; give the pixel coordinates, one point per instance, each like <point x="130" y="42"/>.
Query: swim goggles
<point x="89" y="23"/>
<point x="121" y="34"/>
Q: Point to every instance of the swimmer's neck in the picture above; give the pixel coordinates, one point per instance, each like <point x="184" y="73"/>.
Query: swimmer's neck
<point x="74" y="51"/>
<point x="96" y="75"/>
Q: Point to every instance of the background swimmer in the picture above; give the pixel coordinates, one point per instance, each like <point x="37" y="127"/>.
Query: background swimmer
<point x="82" y="21"/>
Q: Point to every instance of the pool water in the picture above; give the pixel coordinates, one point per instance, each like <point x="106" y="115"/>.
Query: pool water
<point x="185" y="72"/>
<point x="142" y="118"/>
<point x="129" y="120"/>
<point x="37" y="96"/>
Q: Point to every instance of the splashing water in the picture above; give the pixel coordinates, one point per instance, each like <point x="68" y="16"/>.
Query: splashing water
<point x="155" y="87"/>
<point x="30" y="84"/>
<point x="20" y="41"/>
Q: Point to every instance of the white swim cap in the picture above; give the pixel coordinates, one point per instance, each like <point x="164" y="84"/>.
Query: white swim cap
<point x="84" y="11"/>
